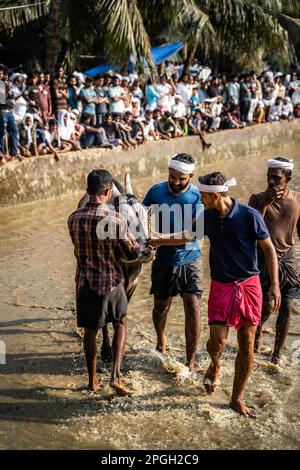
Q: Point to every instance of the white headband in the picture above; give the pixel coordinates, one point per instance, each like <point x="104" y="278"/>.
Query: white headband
<point x="272" y="163"/>
<point x="181" y="166"/>
<point x="221" y="188"/>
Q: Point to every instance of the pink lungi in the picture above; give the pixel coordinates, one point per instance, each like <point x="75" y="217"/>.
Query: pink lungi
<point x="235" y="303"/>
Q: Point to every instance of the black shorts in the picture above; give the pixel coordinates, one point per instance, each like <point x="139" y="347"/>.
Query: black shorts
<point x="95" y="311"/>
<point x="168" y="281"/>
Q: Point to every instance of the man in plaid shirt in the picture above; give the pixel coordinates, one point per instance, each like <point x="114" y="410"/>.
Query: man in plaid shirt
<point x="100" y="238"/>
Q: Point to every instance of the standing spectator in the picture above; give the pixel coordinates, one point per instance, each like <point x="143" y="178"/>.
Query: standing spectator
<point x="8" y="125"/>
<point x="32" y="94"/>
<point x="164" y="89"/>
<point x="268" y="88"/>
<point x="103" y="100"/>
<point x="184" y="90"/>
<point x="88" y="97"/>
<point x="73" y="93"/>
<point x="233" y="90"/>
<point x="20" y="104"/>
<point x="245" y="97"/>
<point x="117" y="96"/>
<point x="44" y="96"/>
<point x="152" y="95"/>
<point x="59" y="91"/>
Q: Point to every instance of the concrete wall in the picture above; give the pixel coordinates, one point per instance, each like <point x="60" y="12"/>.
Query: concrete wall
<point x="43" y="177"/>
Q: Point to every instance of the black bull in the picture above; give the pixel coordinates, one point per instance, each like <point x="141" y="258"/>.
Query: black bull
<point x="132" y="269"/>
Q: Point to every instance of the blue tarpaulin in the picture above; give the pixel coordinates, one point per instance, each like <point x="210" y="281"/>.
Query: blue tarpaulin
<point x="159" y="54"/>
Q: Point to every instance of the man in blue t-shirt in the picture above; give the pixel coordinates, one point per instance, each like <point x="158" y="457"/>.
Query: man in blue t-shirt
<point x="235" y="299"/>
<point x="177" y="270"/>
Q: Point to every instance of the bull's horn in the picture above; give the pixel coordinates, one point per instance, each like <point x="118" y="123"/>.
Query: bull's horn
<point x="115" y="191"/>
<point x="127" y="184"/>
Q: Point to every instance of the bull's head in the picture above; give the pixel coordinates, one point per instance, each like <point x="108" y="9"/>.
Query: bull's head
<point x="136" y="215"/>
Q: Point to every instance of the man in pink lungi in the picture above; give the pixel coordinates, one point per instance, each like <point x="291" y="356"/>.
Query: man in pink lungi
<point x="235" y="299"/>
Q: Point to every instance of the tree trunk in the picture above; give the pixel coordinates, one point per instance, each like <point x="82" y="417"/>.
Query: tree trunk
<point x="189" y="58"/>
<point x="53" y="35"/>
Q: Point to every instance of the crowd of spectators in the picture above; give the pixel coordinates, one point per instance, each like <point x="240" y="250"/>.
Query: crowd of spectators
<point x="41" y="114"/>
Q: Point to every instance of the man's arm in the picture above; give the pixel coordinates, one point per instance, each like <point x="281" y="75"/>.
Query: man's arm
<point x="268" y="197"/>
<point x="272" y="264"/>
<point x="170" y="239"/>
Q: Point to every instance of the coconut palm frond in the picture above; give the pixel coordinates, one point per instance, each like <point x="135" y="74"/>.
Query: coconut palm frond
<point x="13" y="18"/>
<point x="125" y="30"/>
<point x="292" y="26"/>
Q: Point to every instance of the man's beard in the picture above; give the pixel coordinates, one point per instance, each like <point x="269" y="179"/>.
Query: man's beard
<point x="177" y="188"/>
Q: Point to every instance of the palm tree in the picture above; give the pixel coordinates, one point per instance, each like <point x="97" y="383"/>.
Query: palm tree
<point x="219" y="31"/>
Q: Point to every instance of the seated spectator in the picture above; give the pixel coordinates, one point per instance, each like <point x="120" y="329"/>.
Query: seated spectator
<point x="287" y="111"/>
<point x="135" y="129"/>
<point x="168" y="127"/>
<point x="66" y="131"/>
<point x="149" y="131"/>
<point x="27" y="138"/>
<point x="276" y="110"/>
<point x="297" y="110"/>
<point x="216" y="109"/>
<point x="112" y="131"/>
<point x="231" y="117"/>
<point x="51" y="138"/>
<point x="196" y="125"/>
<point x="92" y="136"/>
<point x="179" y="113"/>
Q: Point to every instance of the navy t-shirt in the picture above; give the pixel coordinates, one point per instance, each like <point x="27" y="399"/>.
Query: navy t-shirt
<point x="186" y="206"/>
<point x="233" y="242"/>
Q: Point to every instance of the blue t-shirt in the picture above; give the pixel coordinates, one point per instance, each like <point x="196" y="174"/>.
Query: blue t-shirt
<point x="90" y="94"/>
<point x="233" y="242"/>
<point x="186" y="206"/>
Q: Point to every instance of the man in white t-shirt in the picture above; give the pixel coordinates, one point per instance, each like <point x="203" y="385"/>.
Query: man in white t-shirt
<point x="116" y="96"/>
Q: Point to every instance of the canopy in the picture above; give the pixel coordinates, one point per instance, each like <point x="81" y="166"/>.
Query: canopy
<point x="159" y="54"/>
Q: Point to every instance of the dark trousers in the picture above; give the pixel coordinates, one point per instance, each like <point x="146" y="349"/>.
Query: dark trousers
<point x="8" y="123"/>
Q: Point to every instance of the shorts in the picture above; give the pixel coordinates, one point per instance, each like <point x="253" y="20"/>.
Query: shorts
<point x="95" y="311"/>
<point x="169" y="281"/>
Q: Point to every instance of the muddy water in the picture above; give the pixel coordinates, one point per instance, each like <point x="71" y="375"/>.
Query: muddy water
<point x="43" y="402"/>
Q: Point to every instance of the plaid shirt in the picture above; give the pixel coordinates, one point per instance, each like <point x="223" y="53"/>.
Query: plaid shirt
<point x="98" y="260"/>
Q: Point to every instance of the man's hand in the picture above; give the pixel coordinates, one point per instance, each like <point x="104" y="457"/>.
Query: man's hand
<point x="273" y="194"/>
<point x="275" y="297"/>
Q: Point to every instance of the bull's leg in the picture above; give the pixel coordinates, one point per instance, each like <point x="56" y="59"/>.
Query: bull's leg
<point x="106" y="354"/>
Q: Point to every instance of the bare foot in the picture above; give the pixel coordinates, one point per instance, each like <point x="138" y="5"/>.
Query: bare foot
<point x="120" y="389"/>
<point x="161" y="346"/>
<point x="210" y="379"/>
<point x="240" y="407"/>
<point x="94" y="386"/>
<point x="205" y="145"/>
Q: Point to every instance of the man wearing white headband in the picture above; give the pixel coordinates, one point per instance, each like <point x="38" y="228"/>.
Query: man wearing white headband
<point x="280" y="207"/>
<point x="235" y="299"/>
<point x="177" y="270"/>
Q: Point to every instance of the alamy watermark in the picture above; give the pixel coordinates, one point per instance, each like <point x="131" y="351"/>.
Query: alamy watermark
<point x="2" y="352"/>
<point x="143" y="222"/>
